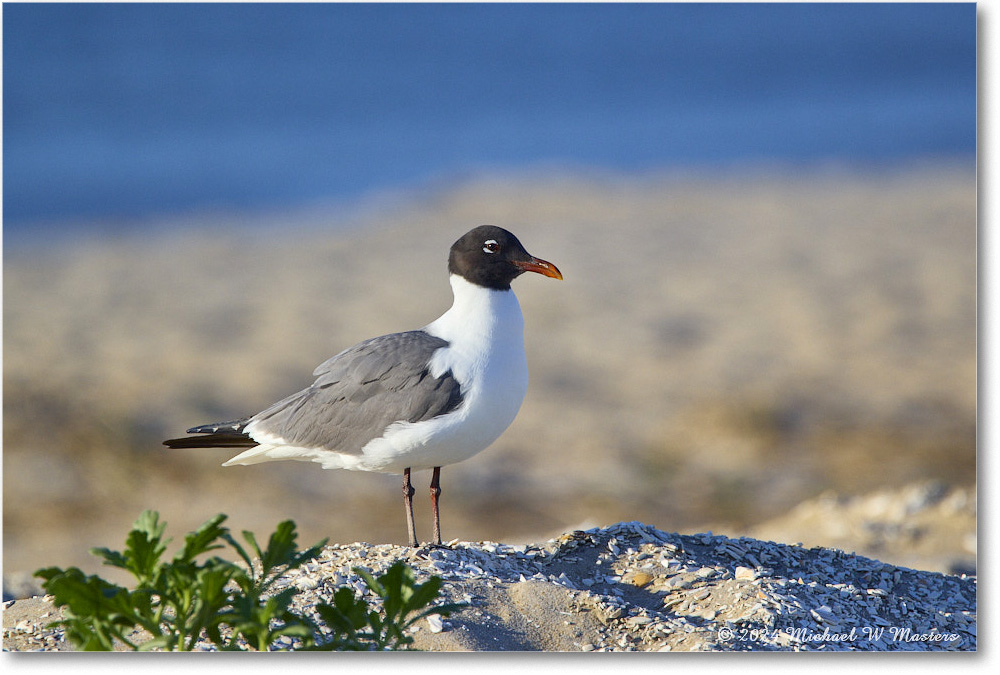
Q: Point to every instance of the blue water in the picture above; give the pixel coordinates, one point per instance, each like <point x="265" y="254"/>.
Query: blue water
<point x="118" y="112"/>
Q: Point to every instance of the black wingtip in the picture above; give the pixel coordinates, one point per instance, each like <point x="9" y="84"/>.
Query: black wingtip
<point x="223" y="440"/>
<point x="215" y="435"/>
<point x="234" y="427"/>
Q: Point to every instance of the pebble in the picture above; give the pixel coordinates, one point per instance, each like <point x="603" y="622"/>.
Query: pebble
<point x="641" y="579"/>
<point x="306" y="583"/>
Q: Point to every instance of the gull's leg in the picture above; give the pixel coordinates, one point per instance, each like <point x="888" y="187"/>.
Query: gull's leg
<point x="435" y="493"/>
<point x="408" y="503"/>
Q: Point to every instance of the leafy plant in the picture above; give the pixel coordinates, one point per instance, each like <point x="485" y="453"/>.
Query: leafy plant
<point x="180" y="600"/>
<point x="251" y="614"/>
<point x="358" y="628"/>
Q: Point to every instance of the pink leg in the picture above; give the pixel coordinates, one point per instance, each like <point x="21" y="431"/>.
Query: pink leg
<point x="435" y="493"/>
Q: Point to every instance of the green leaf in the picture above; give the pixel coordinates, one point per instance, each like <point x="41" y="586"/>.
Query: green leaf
<point x="144" y="545"/>
<point x="252" y="540"/>
<point x="298" y="559"/>
<point x="397" y="582"/>
<point x="164" y="642"/>
<point x="149" y="524"/>
<point x="96" y="610"/>
<point x="90" y="640"/>
<point x="347" y="614"/>
<point x="280" y="547"/>
<point x="210" y="595"/>
<point x="280" y="554"/>
<point x="423" y="594"/>
<point x="203" y="539"/>
<point x="296" y="627"/>
<point x="240" y="550"/>
<point x="111" y="558"/>
<point x="370" y="581"/>
<point x="84" y="595"/>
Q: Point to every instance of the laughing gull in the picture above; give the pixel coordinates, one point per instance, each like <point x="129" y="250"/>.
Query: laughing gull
<point x="408" y="401"/>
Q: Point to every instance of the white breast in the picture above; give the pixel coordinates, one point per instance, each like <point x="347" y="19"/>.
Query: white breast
<point x="485" y="332"/>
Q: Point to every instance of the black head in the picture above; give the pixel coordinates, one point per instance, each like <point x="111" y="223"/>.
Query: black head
<point x="492" y="257"/>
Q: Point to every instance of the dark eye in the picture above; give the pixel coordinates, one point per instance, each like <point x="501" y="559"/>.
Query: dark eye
<point x="491" y="246"/>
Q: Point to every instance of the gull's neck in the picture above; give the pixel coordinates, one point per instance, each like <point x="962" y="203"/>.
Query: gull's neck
<point x="479" y="313"/>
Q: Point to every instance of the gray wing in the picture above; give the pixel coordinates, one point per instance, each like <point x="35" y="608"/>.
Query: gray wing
<point x="361" y="391"/>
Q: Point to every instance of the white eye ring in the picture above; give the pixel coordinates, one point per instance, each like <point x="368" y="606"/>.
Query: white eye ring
<point x="491" y="246"/>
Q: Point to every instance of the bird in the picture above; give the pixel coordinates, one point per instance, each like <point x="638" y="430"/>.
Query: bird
<point x="409" y="401"/>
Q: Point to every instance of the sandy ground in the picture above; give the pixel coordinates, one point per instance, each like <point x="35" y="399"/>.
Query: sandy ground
<point x="723" y="348"/>
<point x="631" y="587"/>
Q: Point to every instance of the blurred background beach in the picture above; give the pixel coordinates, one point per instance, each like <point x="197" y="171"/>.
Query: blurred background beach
<point x="765" y="215"/>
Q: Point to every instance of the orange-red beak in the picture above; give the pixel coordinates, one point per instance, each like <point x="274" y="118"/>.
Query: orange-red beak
<point x="543" y="267"/>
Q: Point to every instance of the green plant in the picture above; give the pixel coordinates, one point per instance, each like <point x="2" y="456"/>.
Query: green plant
<point x="180" y="600"/>
<point x="356" y="627"/>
